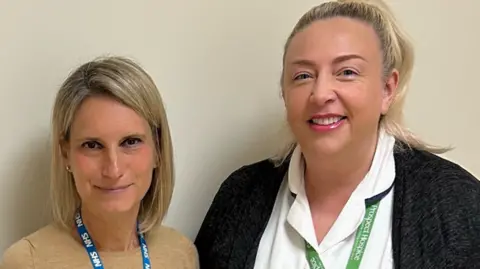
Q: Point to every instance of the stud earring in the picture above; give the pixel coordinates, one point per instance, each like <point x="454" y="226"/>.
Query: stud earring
<point x="68" y="168"/>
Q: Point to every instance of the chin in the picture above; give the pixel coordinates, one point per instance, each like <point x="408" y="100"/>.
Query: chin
<point x="325" y="145"/>
<point x="328" y="146"/>
<point x="116" y="207"/>
<point x="113" y="201"/>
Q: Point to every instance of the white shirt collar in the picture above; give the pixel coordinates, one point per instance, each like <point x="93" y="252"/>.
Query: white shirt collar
<point x="383" y="165"/>
<point x="378" y="180"/>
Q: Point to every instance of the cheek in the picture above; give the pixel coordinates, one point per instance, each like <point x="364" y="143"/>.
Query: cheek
<point x="362" y="101"/>
<point x="84" y="167"/>
<point x="376" y="102"/>
<point x="295" y="105"/>
<point x="85" y="170"/>
<point x="363" y="95"/>
<point x="142" y="166"/>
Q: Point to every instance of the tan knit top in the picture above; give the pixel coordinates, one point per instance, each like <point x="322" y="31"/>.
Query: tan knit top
<point x="52" y="248"/>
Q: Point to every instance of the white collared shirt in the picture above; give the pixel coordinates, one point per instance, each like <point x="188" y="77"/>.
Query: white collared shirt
<point x="290" y="224"/>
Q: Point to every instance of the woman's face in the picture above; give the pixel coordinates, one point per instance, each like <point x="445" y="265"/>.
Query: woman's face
<point x="111" y="153"/>
<point x="333" y="86"/>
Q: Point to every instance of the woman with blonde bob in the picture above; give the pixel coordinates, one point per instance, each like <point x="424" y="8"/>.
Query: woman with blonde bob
<point x="356" y="189"/>
<point x="112" y="177"/>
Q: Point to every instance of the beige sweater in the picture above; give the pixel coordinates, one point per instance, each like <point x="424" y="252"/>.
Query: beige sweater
<point x="51" y="248"/>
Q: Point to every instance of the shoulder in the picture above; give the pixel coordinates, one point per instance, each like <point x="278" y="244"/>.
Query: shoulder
<point x="441" y="201"/>
<point x="243" y="188"/>
<point x="173" y="246"/>
<point x="21" y="254"/>
<point x="250" y="176"/>
<point x="440" y="182"/>
<point x="169" y="237"/>
<point x="238" y="211"/>
<point x="437" y="174"/>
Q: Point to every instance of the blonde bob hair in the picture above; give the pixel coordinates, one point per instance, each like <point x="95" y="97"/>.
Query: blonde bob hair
<point x="397" y="50"/>
<point x="125" y="81"/>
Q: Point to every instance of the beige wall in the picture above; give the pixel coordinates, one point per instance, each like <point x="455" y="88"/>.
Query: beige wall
<point x="217" y="64"/>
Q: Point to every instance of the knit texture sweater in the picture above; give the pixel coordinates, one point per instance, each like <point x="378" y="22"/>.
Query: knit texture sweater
<point x="52" y="248"/>
<point x="436" y="214"/>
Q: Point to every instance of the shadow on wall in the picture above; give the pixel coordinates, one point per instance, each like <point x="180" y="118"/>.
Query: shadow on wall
<point x="28" y="200"/>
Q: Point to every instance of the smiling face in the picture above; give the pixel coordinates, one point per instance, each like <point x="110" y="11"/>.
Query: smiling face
<point x="333" y="85"/>
<point x="111" y="154"/>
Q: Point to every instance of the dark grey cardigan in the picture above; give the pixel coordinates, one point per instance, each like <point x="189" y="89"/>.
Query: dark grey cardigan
<point x="436" y="214"/>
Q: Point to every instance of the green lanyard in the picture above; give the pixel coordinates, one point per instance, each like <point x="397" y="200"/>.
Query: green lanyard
<point x="361" y="239"/>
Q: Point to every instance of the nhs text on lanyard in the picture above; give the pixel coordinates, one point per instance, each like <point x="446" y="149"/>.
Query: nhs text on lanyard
<point x="92" y="250"/>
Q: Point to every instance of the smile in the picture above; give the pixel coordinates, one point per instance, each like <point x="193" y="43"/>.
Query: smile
<point x="113" y="189"/>
<point x="326" y="123"/>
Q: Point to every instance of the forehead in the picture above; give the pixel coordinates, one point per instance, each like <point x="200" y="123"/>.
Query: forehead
<point x="329" y="38"/>
<point x="105" y="117"/>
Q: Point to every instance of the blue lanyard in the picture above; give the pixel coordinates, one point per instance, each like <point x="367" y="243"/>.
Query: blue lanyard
<point x="92" y="250"/>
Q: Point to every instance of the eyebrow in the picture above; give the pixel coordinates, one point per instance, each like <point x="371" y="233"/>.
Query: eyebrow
<point x="337" y="60"/>
<point x="91" y="138"/>
<point x="347" y="57"/>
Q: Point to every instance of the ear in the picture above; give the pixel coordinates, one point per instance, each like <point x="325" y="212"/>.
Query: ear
<point x="389" y="91"/>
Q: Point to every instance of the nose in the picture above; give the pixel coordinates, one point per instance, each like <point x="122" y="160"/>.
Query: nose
<point x="323" y="90"/>
<point x="112" y="166"/>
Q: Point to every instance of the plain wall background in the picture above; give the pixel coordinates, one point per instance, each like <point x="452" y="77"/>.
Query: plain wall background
<point x="217" y="64"/>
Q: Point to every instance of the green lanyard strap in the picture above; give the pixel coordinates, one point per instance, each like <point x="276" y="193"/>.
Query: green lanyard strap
<point x="361" y="239"/>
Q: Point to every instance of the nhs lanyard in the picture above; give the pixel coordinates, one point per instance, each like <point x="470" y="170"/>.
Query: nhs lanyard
<point x="92" y="250"/>
<point x="359" y="245"/>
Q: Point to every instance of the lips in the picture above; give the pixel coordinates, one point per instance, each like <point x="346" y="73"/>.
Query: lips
<point x="326" y="120"/>
<point x="113" y="188"/>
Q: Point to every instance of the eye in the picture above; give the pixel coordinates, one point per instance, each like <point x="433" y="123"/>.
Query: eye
<point x="302" y="76"/>
<point x="130" y="142"/>
<point x="348" y="73"/>
<point x="91" y="145"/>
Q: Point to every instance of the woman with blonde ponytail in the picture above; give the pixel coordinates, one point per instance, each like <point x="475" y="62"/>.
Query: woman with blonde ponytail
<point x="355" y="188"/>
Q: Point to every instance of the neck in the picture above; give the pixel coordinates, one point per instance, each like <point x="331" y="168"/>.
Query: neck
<point x="111" y="232"/>
<point x="336" y="177"/>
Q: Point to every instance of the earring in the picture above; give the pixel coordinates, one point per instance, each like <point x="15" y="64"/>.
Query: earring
<point x="68" y="168"/>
